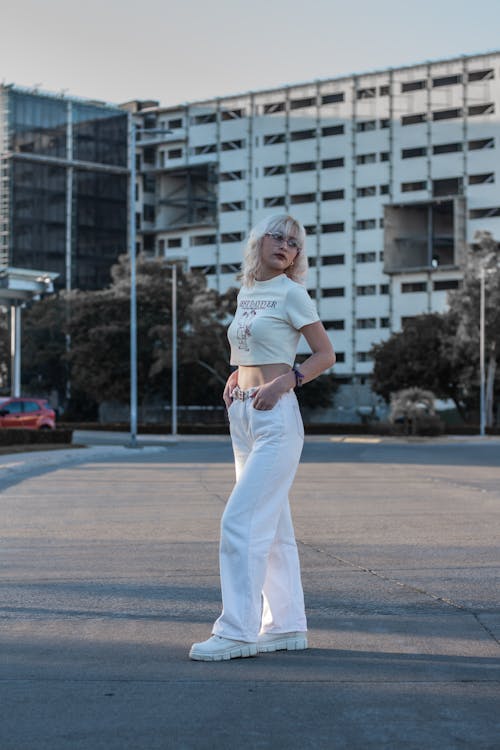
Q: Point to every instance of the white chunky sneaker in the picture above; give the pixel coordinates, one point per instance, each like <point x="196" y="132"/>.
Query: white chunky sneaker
<point x="221" y="649"/>
<point x="268" y="642"/>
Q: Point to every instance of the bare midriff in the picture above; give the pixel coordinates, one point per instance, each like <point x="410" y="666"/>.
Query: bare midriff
<point x="254" y="375"/>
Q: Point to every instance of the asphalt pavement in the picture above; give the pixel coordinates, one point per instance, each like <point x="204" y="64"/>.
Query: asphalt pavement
<point x="109" y="572"/>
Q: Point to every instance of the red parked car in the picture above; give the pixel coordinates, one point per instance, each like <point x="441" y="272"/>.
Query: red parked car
<point x="31" y="413"/>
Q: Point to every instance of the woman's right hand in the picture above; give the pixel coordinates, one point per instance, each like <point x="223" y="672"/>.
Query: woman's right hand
<point x="231" y="382"/>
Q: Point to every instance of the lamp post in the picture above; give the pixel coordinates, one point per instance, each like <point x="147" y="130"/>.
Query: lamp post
<point x="482" y="345"/>
<point x="133" y="130"/>
<point x="482" y="416"/>
<point x="172" y="261"/>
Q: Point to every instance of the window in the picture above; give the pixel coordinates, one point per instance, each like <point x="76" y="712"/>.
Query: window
<point x="149" y="155"/>
<point x="413" y="86"/>
<point x="385" y="123"/>
<point x="333" y="98"/>
<point x="384" y="90"/>
<point x="332" y="130"/>
<point x="332" y="260"/>
<point x="302" y="135"/>
<point x="384" y="156"/>
<point x="446" y="148"/>
<point x="230" y="176"/>
<point x="30" y="406"/>
<point x="174" y="124"/>
<point x="332" y="195"/>
<point x="448" y="186"/>
<point x="340" y="357"/>
<point x="272" y="107"/>
<point x="413" y="286"/>
<point x="363" y="126"/>
<point x="482" y="143"/>
<point x="336" y="291"/>
<point x="413" y="119"/>
<point x="175" y="153"/>
<point x="366" y="224"/>
<point x="385" y="323"/>
<point x="209" y="148"/>
<point x="440" y="286"/>
<point x="202" y="239"/>
<point x="384" y="289"/>
<point x="337" y="227"/>
<point x="370" y="257"/>
<point x="231" y="237"/>
<point x="273" y="138"/>
<point x="366" y="93"/>
<point x="366" y="323"/>
<point x="149" y="183"/>
<point x="161" y="247"/>
<point x="334" y="325"/>
<point x="204" y="119"/>
<point x="230" y="267"/>
<point x="484" y="213"/>
<point x="446" y="114"/>
<point x="366" y="290"/>
<point x="148" y="212"/>
<point x="446" y="80"/>
<point x="303" y="166"/>
<point x="232" y="114"/>
<point x="409" y="187"/>
<point x="481" y="179"/>
<point x="302" y="198"/>
<point x="364" y="192"/>
<point x="481" y="109"/>
<point x="232" y="206"/>
<point x="481" y="75"/>
<point x="276" y="169"/>
<point x="363" y="357"/>
<point x="332" y="163"/>
<point x="208" y="270"/>
<point x="231" y="145"/>
<point x="174" y="242"/>
<point x="275" y="200"/>
<point x="366" y="158"/>
<point x="309" y="101"/>
<point x="383" y="189"/>
<point x="412" y="153"/>
<point x="14" y="408"/>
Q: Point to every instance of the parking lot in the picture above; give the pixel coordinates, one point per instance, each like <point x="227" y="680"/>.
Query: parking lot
<point x="109" y="572"/>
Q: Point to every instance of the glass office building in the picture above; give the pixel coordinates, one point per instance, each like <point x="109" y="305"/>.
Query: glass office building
<point x="63" y="186"/>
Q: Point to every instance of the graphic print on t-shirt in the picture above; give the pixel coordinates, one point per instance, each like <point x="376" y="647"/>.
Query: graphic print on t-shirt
<point x="244" y="329"/>
<point x="245" y="320"/>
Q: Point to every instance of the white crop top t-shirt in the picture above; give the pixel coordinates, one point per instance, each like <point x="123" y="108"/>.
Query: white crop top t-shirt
<point x="265" y="328"/>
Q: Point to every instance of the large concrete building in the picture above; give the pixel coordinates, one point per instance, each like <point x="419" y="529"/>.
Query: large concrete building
<point x="391" y="172"/>
<point x="63" y="185"/>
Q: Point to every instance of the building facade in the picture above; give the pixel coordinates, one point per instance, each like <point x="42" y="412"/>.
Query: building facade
<point x="63" y="186"/>
<point x="392" y="172"/>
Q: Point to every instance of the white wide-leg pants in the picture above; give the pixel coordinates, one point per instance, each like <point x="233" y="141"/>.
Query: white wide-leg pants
<point x="259" y="563"/>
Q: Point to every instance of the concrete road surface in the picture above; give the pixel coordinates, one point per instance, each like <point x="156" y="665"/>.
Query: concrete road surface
<point x="109" y="572"/>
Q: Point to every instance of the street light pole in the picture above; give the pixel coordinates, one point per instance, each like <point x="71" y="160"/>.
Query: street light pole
<point x="133" y="274"/>
<point x="482" y="416"/>
<point x="174" y="351"/>
<point x="133" y="287"/>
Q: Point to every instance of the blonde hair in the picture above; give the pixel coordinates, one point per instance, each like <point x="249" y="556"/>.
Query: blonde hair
<point x="288" y="227"/>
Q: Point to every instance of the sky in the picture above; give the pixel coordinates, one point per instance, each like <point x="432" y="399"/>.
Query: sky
<point x="174" y="52"/>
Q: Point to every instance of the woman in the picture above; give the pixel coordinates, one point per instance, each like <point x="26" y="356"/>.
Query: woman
<point x="263" y="602"/>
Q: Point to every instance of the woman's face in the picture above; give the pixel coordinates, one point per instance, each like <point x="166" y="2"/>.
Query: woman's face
<point x="277" y="253"/>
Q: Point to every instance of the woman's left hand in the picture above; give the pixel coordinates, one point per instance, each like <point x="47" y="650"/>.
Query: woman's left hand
<point x="267" y="396"/>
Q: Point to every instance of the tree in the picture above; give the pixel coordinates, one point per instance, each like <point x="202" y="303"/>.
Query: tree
<point x="463" y="315"/>
<point x="417" y="357"/>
